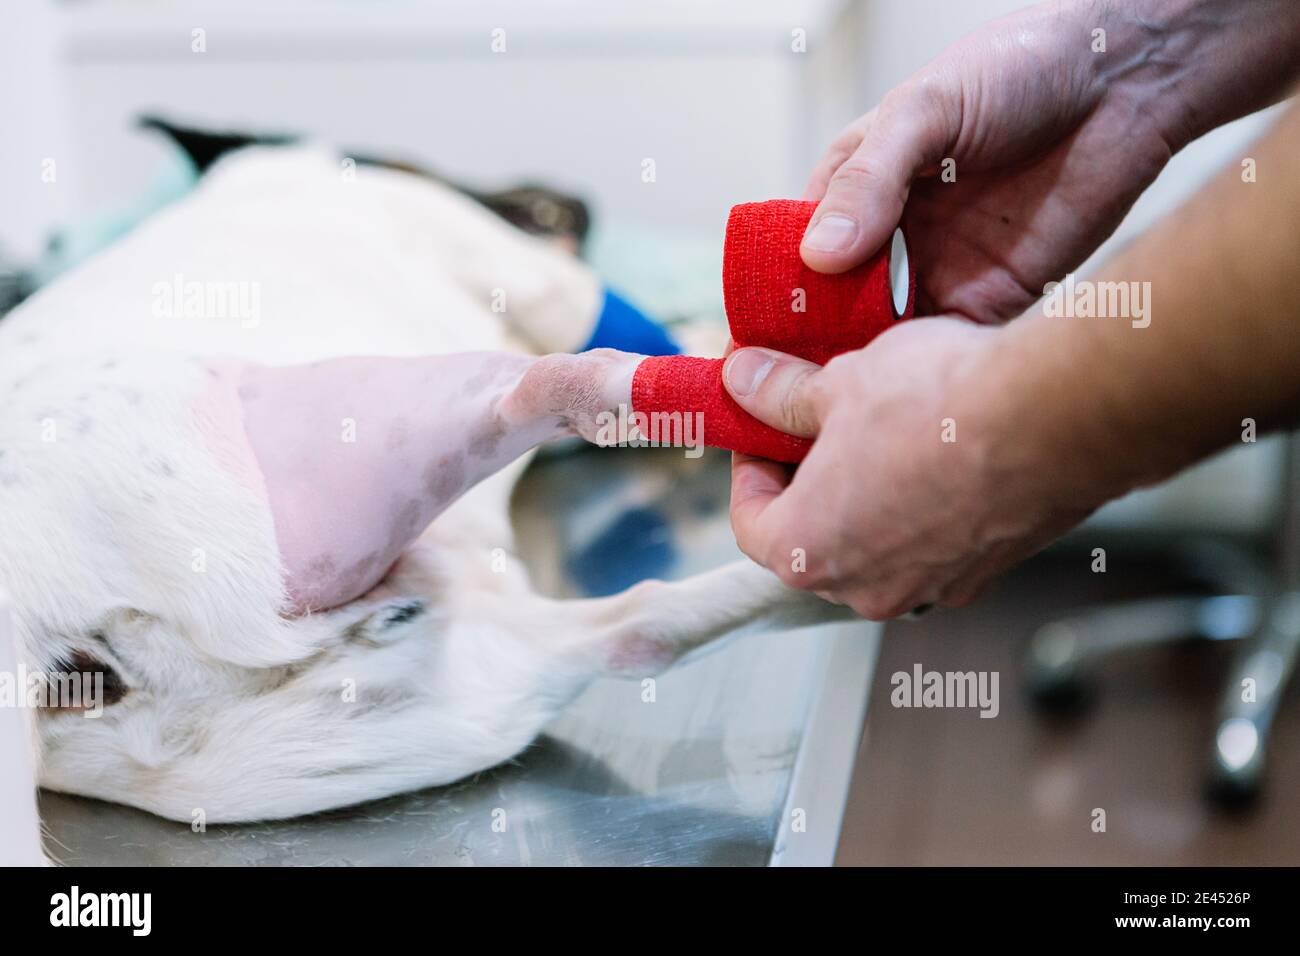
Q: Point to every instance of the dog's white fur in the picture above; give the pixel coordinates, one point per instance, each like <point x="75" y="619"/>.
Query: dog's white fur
<point x="235" y="710"/>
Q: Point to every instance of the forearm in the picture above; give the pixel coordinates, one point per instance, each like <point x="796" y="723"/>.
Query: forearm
<point x="1119" y="406"/>
<point x="1193" y="65"/>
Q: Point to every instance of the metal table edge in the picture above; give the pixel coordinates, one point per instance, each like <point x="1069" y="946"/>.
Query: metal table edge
<point x="834" y="727"/>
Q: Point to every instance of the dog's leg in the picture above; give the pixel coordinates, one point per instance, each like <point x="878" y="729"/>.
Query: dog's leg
<point x="359" y="455"/>
<point x="656" y="624"/>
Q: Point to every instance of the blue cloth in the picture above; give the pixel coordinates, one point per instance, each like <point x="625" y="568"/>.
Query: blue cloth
<point x="637" y="546"/>
<point x="622" y="326"/>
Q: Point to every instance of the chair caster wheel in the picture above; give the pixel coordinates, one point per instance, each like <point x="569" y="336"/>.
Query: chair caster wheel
<point x="1233" y="795"/>
<point x="1059" y="695"/>
<point x="1237" y="766"/>
<point x="1053" y="675"/>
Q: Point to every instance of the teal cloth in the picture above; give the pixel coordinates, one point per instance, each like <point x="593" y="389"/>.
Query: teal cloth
<point x="677" y="279"/>
<point x="77" y="242"/>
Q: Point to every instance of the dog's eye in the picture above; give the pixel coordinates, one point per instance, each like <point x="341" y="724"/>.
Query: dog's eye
<point x="75" y="683"/>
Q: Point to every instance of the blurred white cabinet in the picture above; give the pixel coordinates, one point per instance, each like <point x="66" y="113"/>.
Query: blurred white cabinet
<point x="731" y="101"/>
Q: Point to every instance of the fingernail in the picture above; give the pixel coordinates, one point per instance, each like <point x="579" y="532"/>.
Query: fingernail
<point x="831" y="233"/>
<point x="746" y="369"/>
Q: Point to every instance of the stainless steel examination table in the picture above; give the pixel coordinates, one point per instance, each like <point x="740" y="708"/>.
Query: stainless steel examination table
<point x="743" y="757"/>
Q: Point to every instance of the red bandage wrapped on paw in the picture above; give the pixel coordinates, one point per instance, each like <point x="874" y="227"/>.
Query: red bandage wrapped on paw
<point x="774" y="300"/>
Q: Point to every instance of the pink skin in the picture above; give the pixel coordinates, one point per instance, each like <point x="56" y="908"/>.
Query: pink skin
<point x="360" y="454"/>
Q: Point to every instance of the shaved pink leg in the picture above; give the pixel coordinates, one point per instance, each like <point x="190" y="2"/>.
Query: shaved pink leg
<point x="359" y="455"/>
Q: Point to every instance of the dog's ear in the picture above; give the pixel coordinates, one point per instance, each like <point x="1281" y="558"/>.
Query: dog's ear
<point x="205" y="147"/>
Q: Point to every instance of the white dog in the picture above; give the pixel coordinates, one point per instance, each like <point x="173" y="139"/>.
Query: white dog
<point x="130" y="549"/>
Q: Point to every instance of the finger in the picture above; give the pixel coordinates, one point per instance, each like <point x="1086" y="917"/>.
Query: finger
<point x="898" y="595"/>
<point x="864" y="197"/>
<point x="841" y="149"/>
<point x="777" y="389"/>
<point x="917" y="612"/>
<point x="755" y="484"/>
<point x="825" y="169"/>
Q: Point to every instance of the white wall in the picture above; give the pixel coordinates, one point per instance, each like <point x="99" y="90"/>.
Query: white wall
<point x="584" y="92"/>
<point x="32" y="115"/>
<point x="898" y="37"/>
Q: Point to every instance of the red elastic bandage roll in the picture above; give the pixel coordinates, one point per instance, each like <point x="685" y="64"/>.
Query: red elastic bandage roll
<point x="774" y="300"/>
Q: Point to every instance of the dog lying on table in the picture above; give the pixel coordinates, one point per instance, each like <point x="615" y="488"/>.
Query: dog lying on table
<point x="255" y="463"/>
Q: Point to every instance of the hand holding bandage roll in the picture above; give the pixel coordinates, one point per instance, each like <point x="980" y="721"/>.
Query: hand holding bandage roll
<point x="774" y="300"/>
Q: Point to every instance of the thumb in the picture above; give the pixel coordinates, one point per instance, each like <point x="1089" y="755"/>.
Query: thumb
<point x="777" y="389"/>
<point x="865" y="196"/>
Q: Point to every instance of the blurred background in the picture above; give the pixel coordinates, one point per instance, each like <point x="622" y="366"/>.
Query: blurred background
<point x="725" y="102"/>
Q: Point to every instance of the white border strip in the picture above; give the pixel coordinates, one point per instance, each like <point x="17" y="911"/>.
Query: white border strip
<point x="20" y="832"/>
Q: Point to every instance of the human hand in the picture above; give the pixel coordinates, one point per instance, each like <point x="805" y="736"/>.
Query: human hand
<point x="923" y="483"/>
<point x="1016" y="152"/>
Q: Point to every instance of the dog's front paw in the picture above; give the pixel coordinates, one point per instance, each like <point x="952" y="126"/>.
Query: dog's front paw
<point x="580" y="391"/>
